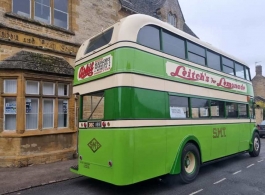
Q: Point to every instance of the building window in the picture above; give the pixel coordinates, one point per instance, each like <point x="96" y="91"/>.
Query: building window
<point x="10" y="86"/>
<point x="171" y="19"/>
<point x="32" y="87"/>
<point x="10" y="113"/>
<point x="63" y="89"/>
<point x="54" y="12"/>
<point x="48" y="89"/>
<point x="48" y="113"/>
<point x="32" y="109"/>
<point x="22" y="7"/>
<point x="62" y="113"/>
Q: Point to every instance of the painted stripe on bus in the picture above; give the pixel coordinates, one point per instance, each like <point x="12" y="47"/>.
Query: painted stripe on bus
<point x="140" y="81"/>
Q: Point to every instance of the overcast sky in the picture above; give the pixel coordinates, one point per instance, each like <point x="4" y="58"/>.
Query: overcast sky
<point x="236" y="27"/>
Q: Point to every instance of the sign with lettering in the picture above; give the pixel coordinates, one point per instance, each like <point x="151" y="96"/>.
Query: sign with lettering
<point x="10" y="108"/>
<point x="204" y="77"/>
<point x="96" y="67"/>
<point x="39" y="41"/>
<point x="219" y="132"/>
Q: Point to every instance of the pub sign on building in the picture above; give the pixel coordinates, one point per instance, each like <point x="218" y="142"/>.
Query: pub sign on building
<point x="38" y="43"/>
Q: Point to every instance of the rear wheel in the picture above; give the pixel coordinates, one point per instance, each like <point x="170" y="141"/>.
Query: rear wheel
<point x="190" y="163"/>
<point x="255" y="146"/>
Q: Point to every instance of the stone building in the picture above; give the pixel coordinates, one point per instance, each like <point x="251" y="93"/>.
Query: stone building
<point x="38" y="43"/>
<point x="258" y="83"/>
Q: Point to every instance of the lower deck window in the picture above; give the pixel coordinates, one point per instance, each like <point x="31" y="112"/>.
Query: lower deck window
<point x="217" y="108"/>
<point x="199" y="108"/>
<point x="179" y="107"/>
<point x="231" y="110"/>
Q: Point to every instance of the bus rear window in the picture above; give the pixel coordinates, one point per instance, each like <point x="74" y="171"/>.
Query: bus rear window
<point x="92" y="106"/>
<point x="99" y="41"/>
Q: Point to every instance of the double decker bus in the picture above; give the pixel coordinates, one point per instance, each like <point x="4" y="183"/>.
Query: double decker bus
<point x="156" y="101"/>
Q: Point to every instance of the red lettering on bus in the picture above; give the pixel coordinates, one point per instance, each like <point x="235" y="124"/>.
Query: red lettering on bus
<point x="86" y="70"/>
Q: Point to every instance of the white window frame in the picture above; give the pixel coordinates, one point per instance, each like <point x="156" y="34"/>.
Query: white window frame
<point x="50" y="21"/>
<point x="5" y="86"/>
<point x="38" y="87"/>
<point x="43" y="88"/>
<point x="48" y="113"/>
<point x="67" y="125"/>
<point x="67" y="90"/>
<point x="37" y="115"/>
<point x="4" y="122"/>
<point x="64" y="13"/>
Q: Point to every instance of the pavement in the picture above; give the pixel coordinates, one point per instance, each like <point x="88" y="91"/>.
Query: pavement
<point x="17" y="179"/>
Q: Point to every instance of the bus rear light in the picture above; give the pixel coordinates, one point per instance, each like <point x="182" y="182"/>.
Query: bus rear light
<point x="103" y="124"/>
<point x="108" y="124"/>
<point x="85" y="125"/>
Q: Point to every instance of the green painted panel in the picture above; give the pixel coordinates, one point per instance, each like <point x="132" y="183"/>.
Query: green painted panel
<point x="141" y="153"/>
<point x="118" y="103"/>
<point x="149" y="104"/>
<point x="132" y="103"/>
<point x="150" y="153"/>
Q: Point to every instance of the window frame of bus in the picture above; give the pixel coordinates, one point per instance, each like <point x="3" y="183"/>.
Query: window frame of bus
<point x="99" y="37"/>
<point x="81" y="106"/>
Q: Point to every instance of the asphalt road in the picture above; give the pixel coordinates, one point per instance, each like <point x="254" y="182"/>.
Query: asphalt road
<point x="240" y="175"/>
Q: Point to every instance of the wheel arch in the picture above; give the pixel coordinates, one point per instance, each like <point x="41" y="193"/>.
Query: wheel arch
<point x="176" y="168"/>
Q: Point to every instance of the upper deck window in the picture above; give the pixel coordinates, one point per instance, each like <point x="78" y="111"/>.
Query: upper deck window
<point x="149" y="36"/>
<point x="99" y="41"/>
<point x="196" y="53"/>
<point x="247" y="73"/>
<point x="173" y="45"/>
<point x="228" y="66"/>
<point x="213" y="60"/>
<point x="240" y="71"/>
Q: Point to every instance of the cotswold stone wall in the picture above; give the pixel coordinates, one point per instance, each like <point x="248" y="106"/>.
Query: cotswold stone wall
<point x="173" y="7"/>
<point x="95" y="15"/>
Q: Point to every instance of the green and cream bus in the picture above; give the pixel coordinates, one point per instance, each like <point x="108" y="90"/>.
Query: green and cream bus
<point x="156" y="101"/>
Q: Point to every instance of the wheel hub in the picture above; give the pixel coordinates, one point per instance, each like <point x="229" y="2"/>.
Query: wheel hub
<point x="256" y="144"/>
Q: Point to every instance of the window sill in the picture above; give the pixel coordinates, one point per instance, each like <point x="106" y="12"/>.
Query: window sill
<point x="29" y="133"/>
<point x="25" y="19"/>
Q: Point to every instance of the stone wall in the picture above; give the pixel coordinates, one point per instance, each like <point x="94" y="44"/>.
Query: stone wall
<point x="173" y="7"/>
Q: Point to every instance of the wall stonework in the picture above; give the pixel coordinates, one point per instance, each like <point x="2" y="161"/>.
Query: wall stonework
<point x="173" y="7"/>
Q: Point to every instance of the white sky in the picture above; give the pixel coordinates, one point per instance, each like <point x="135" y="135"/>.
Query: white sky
<point x="237" y="27"/>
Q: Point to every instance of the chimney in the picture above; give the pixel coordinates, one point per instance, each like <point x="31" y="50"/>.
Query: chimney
<point x="258" y="70"/>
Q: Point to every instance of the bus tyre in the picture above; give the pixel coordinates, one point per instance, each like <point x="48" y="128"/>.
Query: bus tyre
<point x="256" y="145"/>
<point x="190" y="163"/>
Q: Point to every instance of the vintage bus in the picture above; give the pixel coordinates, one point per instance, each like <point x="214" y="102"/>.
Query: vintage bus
<point x="156" y="101"/>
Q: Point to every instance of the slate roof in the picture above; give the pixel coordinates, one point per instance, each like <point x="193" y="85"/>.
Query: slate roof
<point x="38" y="62"/>
<point x="187" y="29"/>
<point x="149" y="7"/>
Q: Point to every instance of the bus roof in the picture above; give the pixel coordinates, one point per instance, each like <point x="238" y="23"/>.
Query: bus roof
<point x="127" y="29"/>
